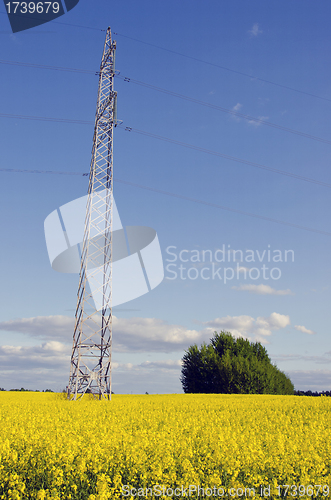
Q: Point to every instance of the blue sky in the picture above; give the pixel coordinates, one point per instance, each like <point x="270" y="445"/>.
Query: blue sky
<point x="279" y="42"/>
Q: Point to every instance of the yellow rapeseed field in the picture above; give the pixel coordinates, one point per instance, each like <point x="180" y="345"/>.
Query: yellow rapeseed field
<point x="164" y="446"/>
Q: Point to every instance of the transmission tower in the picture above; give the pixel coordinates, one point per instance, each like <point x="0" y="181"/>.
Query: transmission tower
<point x="92" y="340"/>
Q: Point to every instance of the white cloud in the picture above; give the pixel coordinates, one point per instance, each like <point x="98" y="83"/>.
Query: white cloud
<point x="303" y="329"/>
<point x="46" y="327"/>
<point x="255" y="31"/>
<point x="324" y="359"/>
<point x="262" y="290"/>
<point x="133" y="334"/>
<point x="236" y="109"/>
<point x="44" y="366"/>
<point x="47" y="365"/>
<point x="47" y="355"/>
<point x="256" y="122"/>
<point x="323" y="289"/>
<point x="142" y="335"/>
<point x="166" y="365"/>
<point x="243" y="269"/>
<point x="151" y="334"/>
<point x="161" y="377"/>
<point x="313" y="380"/>
<point x="246" y="326"/>
<point x="278" y="321"/>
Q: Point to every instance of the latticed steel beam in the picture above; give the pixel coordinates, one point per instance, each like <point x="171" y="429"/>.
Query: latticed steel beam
<point x="92" y="340"/>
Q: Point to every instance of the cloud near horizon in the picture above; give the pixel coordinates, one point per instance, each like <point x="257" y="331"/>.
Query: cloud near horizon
<point x="34" y="371"/>
<point x="262" y="290"/>
<point x="47" y="365"/>
<point x="47" y="357"/>
<point x="320" y="359"/>
<point x="246" y="326"/>
<point x="152" y="334"/>
<point x="314" y="380"/>
<point x="48" y="327"/>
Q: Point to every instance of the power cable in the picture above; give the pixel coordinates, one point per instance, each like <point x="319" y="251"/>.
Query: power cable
<point x="269" y="219"/>
<point x="174" y="141"/>
<point x="46" y="119"/>
<point x="44" y="66"/>
<point x="223" y="67"/>
<point x="174" y="195"/>
<point x="221" y="155"/>
<point x="53" y="172"/>
<point x="249" y="118"/>
<point x="224" y="110"/>
<point x="252" y="77"/>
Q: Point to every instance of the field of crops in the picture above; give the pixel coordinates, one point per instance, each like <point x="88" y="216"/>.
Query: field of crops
<point x="172" y="445"/>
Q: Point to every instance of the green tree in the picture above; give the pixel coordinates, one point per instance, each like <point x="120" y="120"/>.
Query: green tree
<point x="232" y="366"/>
<point x="199" y="369"/>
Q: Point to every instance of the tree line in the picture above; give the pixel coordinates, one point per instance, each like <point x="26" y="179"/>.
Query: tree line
<point x="310" y="393"/>
<point x="26" y="390"/>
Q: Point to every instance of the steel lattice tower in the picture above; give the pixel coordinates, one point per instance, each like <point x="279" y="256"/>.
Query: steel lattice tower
<point x="92" y="340"/>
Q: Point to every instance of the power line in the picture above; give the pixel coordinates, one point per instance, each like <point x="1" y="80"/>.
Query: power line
<point x="249" y="118"/>
<point x="224" y="68"/>
<point x="53" y="172"/>
<point x="46" y="119"/>
<point x="80" y="26"/>
<point x="44" y="66"/>
<point x="174" y="195"/>
<point x="224" y="110"/>
<point x="221" y="155"/>
<point x="269" y="219"/>
<point x="198" y="60"/>
<point x="174" y="141"/>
